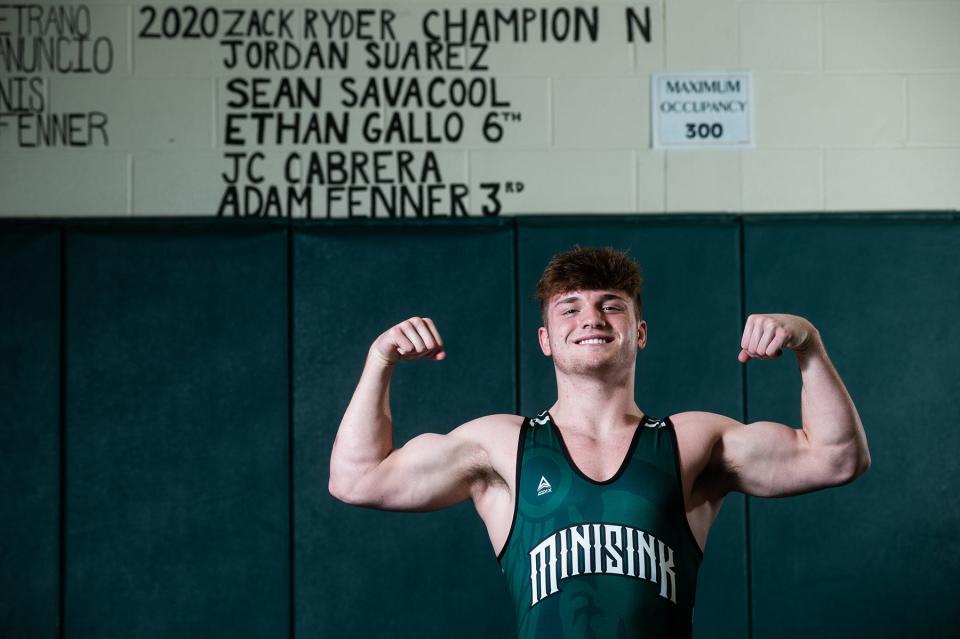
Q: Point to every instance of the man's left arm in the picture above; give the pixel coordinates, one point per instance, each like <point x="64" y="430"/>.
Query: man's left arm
<point x="771" y="460"/>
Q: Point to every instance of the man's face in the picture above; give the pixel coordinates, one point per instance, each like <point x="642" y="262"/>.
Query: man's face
<point x="574" y="317"/>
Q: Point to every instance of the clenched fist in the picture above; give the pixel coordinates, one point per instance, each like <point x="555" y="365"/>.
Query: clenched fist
<point x="415" y="338"/>
<point x="765" y="335"/>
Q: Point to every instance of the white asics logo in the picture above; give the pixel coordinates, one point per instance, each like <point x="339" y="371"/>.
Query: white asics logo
<point x="544" y="487"/>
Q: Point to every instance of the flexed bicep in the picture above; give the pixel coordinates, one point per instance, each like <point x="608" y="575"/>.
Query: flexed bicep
<point x="770" y="459"/>
<point x="429" y="472"/>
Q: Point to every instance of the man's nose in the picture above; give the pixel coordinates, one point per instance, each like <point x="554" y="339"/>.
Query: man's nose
<point x="594" y="318"/>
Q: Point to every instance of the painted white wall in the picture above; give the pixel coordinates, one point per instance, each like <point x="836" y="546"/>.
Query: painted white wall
<point x="856" y="109"/>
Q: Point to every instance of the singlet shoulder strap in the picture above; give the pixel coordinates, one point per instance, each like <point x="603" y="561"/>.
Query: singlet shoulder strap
<point x="541" y="419"/>
<point x="525" y="429"/>
<point x="654" y="422"/>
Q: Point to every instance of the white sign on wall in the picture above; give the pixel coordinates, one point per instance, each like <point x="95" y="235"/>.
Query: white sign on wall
<point x="698" y="110"/>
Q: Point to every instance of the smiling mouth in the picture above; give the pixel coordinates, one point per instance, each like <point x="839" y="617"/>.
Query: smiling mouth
<point x="594" y="342"/>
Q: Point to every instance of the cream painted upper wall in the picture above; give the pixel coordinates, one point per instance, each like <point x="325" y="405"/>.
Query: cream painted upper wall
<point x="854" y="108"/>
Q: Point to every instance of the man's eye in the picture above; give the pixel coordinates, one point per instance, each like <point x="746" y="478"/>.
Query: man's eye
<point x="569" y="310"/>
<point x="614" y="308"/>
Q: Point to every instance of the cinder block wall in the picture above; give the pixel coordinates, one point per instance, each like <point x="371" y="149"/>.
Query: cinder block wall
<point x="855" y="109"/>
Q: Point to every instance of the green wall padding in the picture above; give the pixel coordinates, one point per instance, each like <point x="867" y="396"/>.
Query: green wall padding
<point x="177" y="444"/>
<point x="206" y="367"/>
<point x="877" y="558"/>
<point x="29" y="432"/>
<point x="366" y="573"/>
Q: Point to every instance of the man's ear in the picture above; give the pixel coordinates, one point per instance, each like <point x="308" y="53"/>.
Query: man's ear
<point x="544" y="338"/>
<point x="642" y="335"/>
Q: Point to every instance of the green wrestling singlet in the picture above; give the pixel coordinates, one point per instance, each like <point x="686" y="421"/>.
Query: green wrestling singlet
<point x="613" y="559"/>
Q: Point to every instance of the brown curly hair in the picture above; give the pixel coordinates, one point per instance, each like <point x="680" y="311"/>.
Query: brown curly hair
<point x="590" y="269"/>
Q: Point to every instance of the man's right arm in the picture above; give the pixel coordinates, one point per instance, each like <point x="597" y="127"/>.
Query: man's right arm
<point x="429" y="472"/>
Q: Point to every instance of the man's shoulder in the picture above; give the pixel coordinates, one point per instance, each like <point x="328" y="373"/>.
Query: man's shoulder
<point x="699" y="437"/>
<point x="703" y="422"/>
<point x="699" y="432"/>
<point x="490" y="428"/>
<point x="495" y="438"/>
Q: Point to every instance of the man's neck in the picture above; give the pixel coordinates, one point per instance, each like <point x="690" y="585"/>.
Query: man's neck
<point x="595" y="407"/>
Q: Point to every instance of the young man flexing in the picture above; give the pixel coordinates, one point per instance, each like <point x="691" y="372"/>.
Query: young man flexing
<point x="598" y="512"/>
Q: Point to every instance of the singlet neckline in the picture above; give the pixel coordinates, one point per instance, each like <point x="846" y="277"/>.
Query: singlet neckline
<point x="623" y="464"/>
